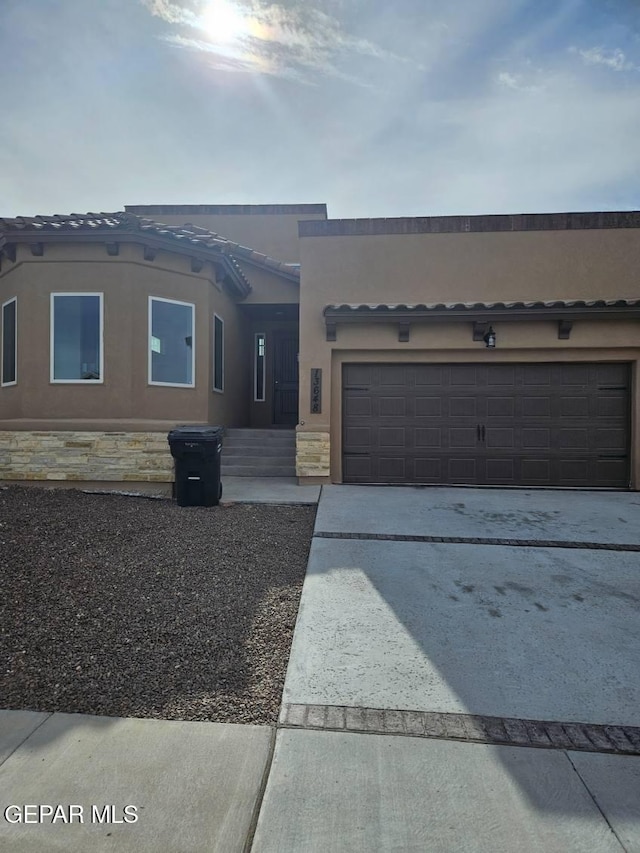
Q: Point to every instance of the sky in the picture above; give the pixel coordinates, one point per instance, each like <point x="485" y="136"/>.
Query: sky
<point x="379" y="109"/>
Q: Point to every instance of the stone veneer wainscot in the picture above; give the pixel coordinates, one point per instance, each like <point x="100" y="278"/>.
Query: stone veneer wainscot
<point x="312" y="454"/>
<point x="142" y="457"/>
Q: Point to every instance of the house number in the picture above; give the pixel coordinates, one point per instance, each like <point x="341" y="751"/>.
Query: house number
<point x="316" y="390"/>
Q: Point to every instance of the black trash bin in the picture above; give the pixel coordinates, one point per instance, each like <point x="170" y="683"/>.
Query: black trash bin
<point x="196" y="451"/>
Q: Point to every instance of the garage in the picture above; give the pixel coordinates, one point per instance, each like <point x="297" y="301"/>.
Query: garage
<point x="509" y="424"/>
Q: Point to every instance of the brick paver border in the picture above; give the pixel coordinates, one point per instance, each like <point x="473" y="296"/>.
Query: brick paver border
<point x="472" y="728"/>
<point x="481" y="540"/>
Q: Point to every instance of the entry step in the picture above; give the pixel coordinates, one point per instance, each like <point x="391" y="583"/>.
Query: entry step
<point x="259" y="453"/>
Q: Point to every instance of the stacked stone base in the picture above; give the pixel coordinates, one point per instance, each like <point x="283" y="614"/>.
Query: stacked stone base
<point x="313" y="460"/>
<point x="82" y="459"/>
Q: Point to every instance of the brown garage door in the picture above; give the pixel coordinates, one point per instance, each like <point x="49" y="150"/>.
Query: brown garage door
<point x="487" y="424"/>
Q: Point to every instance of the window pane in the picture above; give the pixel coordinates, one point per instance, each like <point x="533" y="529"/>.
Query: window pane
<point x="171" y="343"/>
<point x="218" y="354"/>
<point x="259" y="369"/>
<point x="76" y="337"/>
<point x="9" y="342"/>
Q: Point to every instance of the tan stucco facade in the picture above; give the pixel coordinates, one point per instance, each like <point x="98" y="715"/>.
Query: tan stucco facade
<point x="480" y="266"/>
<point x="461" y="267"/>
<point x="125" y="411"/>
<point x="342" y="263"/>
<point x="269" y="288"/>
<point x="127" y="282"/>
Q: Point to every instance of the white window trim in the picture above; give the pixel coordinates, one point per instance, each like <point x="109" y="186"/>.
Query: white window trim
<point x="191" y="305"/>
<point x="15" y="361"/>
<point x="219" y="390"/>
<point x="51" y="340"/>
<point x="257" y="399"/>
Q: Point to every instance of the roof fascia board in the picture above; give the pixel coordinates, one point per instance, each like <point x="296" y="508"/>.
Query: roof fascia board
<point x="474" y="224"/>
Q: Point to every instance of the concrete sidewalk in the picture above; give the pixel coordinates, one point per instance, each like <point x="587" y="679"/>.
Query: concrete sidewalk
<point x="352" y="793"/>
<point x="195" y="786"/>
<point x="198" y="787"/>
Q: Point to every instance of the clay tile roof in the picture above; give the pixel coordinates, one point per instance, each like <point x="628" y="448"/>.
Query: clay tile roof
<point x="57" y="222"/>
<point x="192" y="235"/>
<point x="201" y="236"/>
<point x="560" y="304"/>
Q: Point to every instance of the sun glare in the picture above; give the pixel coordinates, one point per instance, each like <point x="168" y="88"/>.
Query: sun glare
<point x="223" y="21"/>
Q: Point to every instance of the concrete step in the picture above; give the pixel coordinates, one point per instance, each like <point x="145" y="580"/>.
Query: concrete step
<point x="256" y="450"/>
<point x="255" y="471"/>
<point x="257" y="447"/>
<point x="263" y="435"/>
<point x="259" y="461"/>
<point x="259" y="453"/>
<point x="247" y="444"/>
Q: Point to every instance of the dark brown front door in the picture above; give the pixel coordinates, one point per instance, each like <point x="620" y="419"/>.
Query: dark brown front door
<point x="285" y="378"/>
<point x="487" y="424"/>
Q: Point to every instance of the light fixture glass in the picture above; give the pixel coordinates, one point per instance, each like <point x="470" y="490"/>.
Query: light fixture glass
<point x="490" y="339"/>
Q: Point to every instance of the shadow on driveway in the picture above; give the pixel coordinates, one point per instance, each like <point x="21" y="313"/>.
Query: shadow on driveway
<point x="533" y="633"/>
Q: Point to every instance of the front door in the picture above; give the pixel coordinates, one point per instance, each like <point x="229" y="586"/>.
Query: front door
<point x="285" y="378"/>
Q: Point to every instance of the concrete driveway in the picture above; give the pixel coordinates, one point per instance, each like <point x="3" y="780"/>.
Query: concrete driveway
<point x="456" y="626"/>
<point x="431" y="616"/>
<point x="605" y="517"/>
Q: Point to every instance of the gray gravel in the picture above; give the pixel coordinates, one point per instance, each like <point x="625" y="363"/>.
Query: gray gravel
<point x="127" y="606"/>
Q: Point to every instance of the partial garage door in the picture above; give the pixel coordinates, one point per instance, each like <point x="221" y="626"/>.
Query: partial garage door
<point x="487" y="424"/>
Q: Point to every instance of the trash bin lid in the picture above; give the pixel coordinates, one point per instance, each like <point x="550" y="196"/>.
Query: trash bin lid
<point x="196" y="432"/>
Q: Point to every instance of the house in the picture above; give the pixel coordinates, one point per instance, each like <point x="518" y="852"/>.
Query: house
<point x="479" y="350"/>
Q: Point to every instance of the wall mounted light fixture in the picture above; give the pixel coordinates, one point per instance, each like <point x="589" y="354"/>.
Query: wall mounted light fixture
<point x="490" y="338"/>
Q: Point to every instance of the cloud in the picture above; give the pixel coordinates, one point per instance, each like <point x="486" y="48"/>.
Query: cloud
<point x="170" y="12"/>
<point x="517" y="82"/>
<point x="499" y="152"/>
<point x="296" y="42"/>
<point x="614" y="59"/>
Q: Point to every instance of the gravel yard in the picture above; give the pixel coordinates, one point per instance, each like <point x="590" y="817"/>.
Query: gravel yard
<point x="134" y="607"/>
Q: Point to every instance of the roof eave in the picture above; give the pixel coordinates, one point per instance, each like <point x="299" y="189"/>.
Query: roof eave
<point x="387" y="314"/>
<point x="279" y="269"/>
<point x="179" y="246"/>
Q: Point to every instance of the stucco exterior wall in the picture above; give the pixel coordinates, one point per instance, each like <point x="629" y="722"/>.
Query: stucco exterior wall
<point x="267" y="287"/>
<point x="127" y="282"/>
<point x="231" y="406"/>
<point x="465" y="267"/>
<point x="519" y="265"/>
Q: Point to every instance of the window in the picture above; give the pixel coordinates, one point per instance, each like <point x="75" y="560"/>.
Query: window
<point x="258" y="367"/>
<point x="218" y="353"/>
<point x="171" y="342"/>
<point x="76" y="337"/>
<point x="9" y="342"/>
